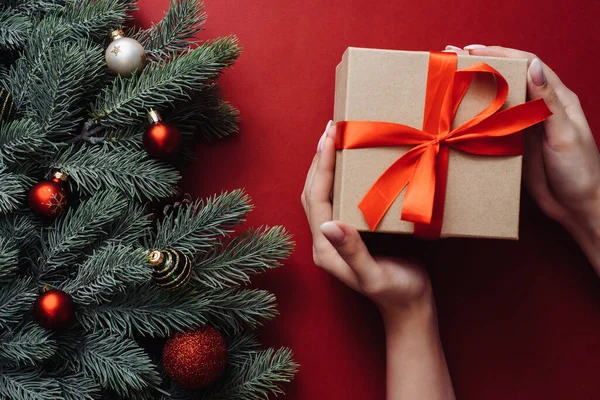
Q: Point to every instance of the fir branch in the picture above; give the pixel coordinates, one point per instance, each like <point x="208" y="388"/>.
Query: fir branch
<point x="130" y="228"/>
<point x="9" y="263"/>
<point x="78" y="229"/>
<point x="108" y="271"/>
<point x="14" y="30"/>
<point x="20" y="139"/>
<point x="95" y="19"/>
<point x="130" y="171"/>
<point x="29" y="344"/>
<point x="21" y="228"/>
<point x="27" y="384"/>
<point x="240" y="347"/>
<point x="16" y="298"/>
<point x="205" y="113"/>
<point x="175" y="32"/>
<point x="261" y="376"/>
<point x="238" y="309"/>
<point x="55" y="92"/>
<point x="30" y="7"/>
<point x="12" y="192"/>
<point x="27" y="68"/>
<point x="77" y="387"/>
<point x="252" y="252"/>
<point x="161" y="84"/>
<point x="197" y="226"/>
<point x="147" y="310"/>
<point x="118" y="364"/>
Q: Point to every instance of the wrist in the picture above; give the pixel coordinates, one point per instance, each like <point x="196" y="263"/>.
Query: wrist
<point x="412" y="317"/>
<point x="584" y="225"/>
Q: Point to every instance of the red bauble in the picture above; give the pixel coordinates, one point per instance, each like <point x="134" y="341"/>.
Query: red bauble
<point x="195" y="359"/>
<point x="54" y="309"/>
<point x="161" y="139"/>
<point x="48" y="199"/>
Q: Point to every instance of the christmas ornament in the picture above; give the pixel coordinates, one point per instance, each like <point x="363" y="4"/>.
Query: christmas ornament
<point x="53" y="309"/>
<point x="172" y="268"/>
<point x="124" y="55"/>
<point x="6" y="105"/>
<point x="195" y="359"/>
<point x="48" y="199"/>
<point x="161" y="139"/>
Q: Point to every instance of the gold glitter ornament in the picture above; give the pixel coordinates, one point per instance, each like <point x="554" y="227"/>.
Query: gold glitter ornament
<point x="124" y="55"/>
<point x="171" y="268"/>
<point x="195" y="359"/>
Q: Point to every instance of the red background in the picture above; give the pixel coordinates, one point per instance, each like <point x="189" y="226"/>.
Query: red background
<point x="519" y="320"/>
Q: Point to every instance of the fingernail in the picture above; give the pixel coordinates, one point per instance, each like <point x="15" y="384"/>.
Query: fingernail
<point x="323" y="136"/>
<point x="536" y="71"/>
<point x="455" y="48"/>
<point x="333" y="232"/>
<point x="320" y="145"/>
<point x="474" y="47"/>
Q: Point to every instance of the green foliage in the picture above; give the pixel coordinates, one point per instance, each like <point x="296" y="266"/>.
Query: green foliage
<point x="21" y="138"/>
<point x="107" y="271"/>
<point x="260" y="376"/>
<point x="101" y="167"/>
<point x="70" y="113"/>
<point x="118" y="363"/>
<point x="27" y="384"/>
<point x="163" y="83"/>
<point x="175" y="32"/>
<point x="16" y="298"/>
<point x="28" y="345"/>
<point x="251" y="252"/>
<point x="78" y="229"/>
<point x="198" y="225"/>
<point x="13" y="30"/>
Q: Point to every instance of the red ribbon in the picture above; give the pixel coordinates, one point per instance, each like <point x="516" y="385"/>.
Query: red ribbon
<point x="424" y="168"/>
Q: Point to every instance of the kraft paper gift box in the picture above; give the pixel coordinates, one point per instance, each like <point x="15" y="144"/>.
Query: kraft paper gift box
<point x="483" y="192"/>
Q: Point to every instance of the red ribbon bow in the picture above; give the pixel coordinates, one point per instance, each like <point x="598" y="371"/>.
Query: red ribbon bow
<point x="424" y="168"/>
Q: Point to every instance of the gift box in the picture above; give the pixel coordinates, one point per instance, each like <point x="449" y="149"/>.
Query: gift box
<point x="401" y="121"/>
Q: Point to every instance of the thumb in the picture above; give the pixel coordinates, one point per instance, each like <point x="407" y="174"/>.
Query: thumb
<point x="350" y="246"/>
<point x="543" y="83"/>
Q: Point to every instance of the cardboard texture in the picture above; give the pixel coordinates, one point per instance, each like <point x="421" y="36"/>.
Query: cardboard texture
<point x="483" y="194"/>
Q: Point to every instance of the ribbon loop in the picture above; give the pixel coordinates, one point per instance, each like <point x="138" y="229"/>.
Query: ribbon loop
<point x="423" y="169"/>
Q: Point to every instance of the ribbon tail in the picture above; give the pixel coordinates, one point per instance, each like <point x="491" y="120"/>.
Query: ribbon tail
<point x="434" y="229"/>
<point x="418" y="201"/>
<point x="388" y="187"/>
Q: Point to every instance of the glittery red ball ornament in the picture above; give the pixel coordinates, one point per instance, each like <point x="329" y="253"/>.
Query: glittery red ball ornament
<point x="48" y="199"/>
<point x="53" y="309"/>
<point x="195" y="359"/>
<point x="161" y="139"/>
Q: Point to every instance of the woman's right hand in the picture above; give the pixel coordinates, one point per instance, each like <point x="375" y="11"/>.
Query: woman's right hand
<point x="562" y="163"/>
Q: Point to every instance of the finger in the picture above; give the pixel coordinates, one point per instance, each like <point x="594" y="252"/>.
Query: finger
<point x="454" y="49"/>
<point x="499" y="51"/>
<point x="311" y="170"/>
<point x="353" y="251"/>
<point x="320" y="207"/>
<point x="559" y="128"/>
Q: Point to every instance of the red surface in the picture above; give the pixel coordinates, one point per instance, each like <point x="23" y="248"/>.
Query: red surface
<point x="519" y="320"/>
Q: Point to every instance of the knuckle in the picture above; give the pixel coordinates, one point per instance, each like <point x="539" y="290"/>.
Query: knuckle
<point x="551" y="98"/>
<point x="372" y="286"/>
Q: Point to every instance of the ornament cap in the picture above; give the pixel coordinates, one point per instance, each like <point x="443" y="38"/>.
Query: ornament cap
<point x="154" y="116"/>
<point x="155" y="257"/>
<point x="117" y="34"/>
<point x="59" y="176"/>
<point x="45" y="288"/>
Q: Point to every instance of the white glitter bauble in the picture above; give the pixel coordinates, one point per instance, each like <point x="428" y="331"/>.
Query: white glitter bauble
<point x="124" y="55"/>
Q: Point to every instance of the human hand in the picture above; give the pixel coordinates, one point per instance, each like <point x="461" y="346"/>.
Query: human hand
<point x="561" y="167"/>
<point x="416" y="366"/>
<point x="395" y="285"/>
